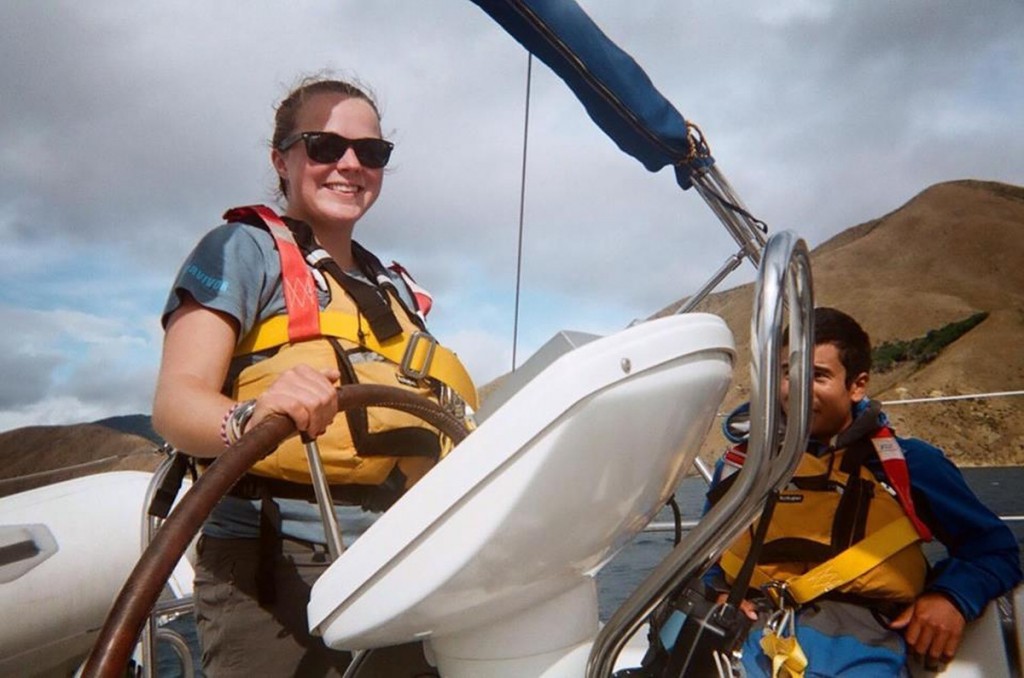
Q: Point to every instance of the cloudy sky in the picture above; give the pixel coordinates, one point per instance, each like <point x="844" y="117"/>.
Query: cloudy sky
<point x="128" y="126"/>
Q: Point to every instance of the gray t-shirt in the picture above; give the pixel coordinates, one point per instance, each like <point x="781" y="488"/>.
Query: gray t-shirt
<point x="236" y="269"/>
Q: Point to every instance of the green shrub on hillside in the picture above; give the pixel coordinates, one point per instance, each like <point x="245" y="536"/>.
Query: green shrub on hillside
<point x="923" y="349"/>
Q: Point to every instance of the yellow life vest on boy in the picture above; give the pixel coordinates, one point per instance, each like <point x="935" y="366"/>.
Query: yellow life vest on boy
<point x="365" y="446"/>
<point x="836" y="528"/>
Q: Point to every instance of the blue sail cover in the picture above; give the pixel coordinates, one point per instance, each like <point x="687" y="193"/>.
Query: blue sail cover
<point x="613" y="88"/>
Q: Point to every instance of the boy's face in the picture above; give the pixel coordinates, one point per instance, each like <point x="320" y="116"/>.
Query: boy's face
<point x="832" y="399"/>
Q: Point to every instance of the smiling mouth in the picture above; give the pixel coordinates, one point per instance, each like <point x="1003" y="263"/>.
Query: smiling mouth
<point x="346" y="189"/>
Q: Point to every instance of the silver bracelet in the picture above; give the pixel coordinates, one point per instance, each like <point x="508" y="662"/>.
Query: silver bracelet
<point x="236" y="420"/>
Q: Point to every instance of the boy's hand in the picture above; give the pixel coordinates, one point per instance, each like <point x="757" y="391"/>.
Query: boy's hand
<point x="746" y="607"/>
<point x="933" y="627"/>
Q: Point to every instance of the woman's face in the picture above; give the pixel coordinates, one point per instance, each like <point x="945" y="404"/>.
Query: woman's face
<point x="332" y="194"/>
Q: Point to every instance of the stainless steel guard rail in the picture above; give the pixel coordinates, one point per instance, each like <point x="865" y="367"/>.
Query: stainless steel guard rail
<point x="784" y="274"/>
<point x="151" y="632"/>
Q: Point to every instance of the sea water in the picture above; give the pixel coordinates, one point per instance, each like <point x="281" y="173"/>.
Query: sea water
<point x="997" y="487"/>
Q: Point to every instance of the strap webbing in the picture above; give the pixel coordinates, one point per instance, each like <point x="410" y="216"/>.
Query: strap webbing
<point x="842" y="569"/>
<point x="300" y="296"/>
<point x="443" y="366"/>
<point x="741" y="580"/>
<point x="895" y="466"/>
<point x="370" y="300"/>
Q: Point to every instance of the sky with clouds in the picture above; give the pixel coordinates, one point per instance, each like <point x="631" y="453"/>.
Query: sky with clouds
<point x="129" y="126"/>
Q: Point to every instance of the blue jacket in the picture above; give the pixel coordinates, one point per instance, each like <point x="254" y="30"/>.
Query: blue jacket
<point x="983" y="559"/>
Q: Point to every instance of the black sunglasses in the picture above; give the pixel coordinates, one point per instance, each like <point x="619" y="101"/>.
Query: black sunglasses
<point x="328" y="147"/>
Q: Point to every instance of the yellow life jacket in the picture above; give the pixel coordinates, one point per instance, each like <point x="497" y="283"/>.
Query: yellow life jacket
<point x="366" y="446"/>
<point x="836" y="529"/>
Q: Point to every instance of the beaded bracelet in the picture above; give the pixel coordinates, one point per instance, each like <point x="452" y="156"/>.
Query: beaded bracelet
<point x="232" y="425"/>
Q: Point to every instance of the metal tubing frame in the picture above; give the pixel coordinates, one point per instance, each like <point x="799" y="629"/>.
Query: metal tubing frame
<point x="322" y="490"/>
<point x="181" y="649"/>
<point x="151" y="632"/>
<point x="703" y="469"/>
<point x="713" y="187"/>
<point x="730" y="265"/>
<point x="784" y="272"/>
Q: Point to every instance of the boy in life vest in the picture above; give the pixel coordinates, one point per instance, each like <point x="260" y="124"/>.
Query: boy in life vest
<point x="860" y="490"/>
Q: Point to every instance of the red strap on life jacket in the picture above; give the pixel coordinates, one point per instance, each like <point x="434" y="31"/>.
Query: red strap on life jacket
<point x="737" y="455"/>
<point x="895" y="466"/>
<point x="300" y="296"/>
<point x="424" y="300"/>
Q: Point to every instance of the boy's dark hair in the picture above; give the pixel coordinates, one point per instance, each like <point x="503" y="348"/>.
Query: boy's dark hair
<point x="834" y="327"/>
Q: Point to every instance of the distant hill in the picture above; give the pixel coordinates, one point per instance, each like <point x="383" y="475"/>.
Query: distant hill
<point x="34" y="456"/>
<point x="136" y="424"/>
<point x="954" y="250"/>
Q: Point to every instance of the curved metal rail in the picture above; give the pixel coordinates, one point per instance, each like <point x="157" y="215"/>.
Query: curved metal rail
<point x="151" y="632"/>
<point x="784" y="274"/>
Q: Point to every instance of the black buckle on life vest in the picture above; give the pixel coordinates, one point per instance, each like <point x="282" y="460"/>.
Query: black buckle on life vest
<point x="410" y="353"/>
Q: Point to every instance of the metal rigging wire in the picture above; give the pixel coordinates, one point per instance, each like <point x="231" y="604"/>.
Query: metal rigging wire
<point x="522" y="203"/>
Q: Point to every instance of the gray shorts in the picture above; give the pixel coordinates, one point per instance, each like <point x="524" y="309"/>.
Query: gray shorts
<point x="241" y="637"/>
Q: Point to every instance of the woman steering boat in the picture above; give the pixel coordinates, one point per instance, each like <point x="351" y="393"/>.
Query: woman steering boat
<point x="267" y="316"/>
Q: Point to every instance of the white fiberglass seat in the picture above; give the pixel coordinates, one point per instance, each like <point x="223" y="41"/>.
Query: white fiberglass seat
<point x="492" y="555"/>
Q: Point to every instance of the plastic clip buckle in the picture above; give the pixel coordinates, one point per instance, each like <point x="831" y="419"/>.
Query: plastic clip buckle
<point x="410" y="354"/>
<point x="778" y="592"/>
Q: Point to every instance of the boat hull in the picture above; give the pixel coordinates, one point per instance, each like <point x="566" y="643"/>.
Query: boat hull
<point x="70" y="546"/>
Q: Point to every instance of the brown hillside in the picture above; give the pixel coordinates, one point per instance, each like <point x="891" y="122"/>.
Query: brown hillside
<point x="954" y="250"/>
<point x="34" y="456"/>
